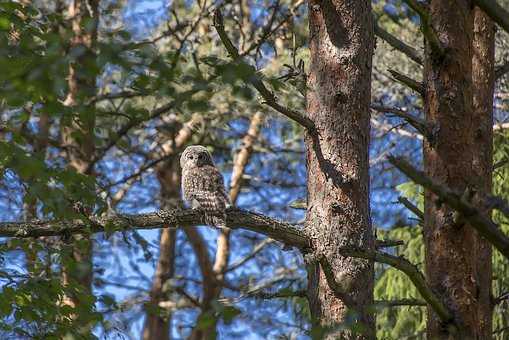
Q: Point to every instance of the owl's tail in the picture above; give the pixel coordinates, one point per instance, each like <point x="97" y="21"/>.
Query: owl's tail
<point x="216" y="220"/>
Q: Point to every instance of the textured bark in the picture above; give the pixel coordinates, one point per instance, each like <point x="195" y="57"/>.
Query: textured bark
<point x="483" y="81"/>
<point x="341" y="43"/>
<point x="457" y="260"/>
<point x="84" y="20"/>
<point x="280" y="231"/>
<point x="158" y="323"/>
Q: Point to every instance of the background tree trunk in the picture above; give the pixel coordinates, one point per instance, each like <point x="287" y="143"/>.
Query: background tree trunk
<point x="78" y="135"/>
<point x="457" y="260"/>
<point x="341" y="44"/>
<point x="158" y="322"/>
<point x="216" y="272"/>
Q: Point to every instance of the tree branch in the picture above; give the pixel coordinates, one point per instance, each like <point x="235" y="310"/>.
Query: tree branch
<point x="412" y="207"/>
<point x="400" y="303"/>
<point x="413" y="273"/>
<point x="388" y="243"/>
<point x="483" y="224"/>
<point x="400" y="263"/>
<point x="501" y="70"/>
<point x="256" y="81"/>
<point x="258" y="248"/>
<point x="426" y="27"/>
<point x="236" y="218"/>
<point x="495" y="11"/>
<point x="417" y="123"/>
<point x="399" y="45"/>
<point x="407" y="81"/>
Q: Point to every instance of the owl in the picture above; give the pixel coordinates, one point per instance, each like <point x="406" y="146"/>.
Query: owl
<point x="203" y="185"/>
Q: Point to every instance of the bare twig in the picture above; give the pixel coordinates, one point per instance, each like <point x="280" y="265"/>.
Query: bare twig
<point x="399" y="45"/>
<point x="256" y="81"/>
<point x="502" y="297"/>
<point x="412" y="207"/>
<point x="418" y="123"/>
<point x="426" y="27"/>
<point x="407" y="81"/>
<point x="400" y="263"/>
<point x="258" y="248"/>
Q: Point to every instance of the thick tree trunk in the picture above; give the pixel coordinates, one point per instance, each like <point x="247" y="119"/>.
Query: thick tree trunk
<point x="457" y="260"/>
<point x="339" y="87"/>
<point x="483" y="81"/>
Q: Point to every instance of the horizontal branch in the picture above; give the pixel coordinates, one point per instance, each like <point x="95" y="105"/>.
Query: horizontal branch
<point x="236" y="219"/>
<point x="256" y="81"/>
<point x="379" y="244"/>
<point x="400" y="303"/>
<point x="482" y="223"/>
<point x="495" y="11"/>
<point x="399" y="45"/>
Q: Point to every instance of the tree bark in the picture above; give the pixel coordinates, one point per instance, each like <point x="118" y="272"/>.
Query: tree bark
<point x="458" y="263"/>
<point x="78" y="135"/>
<point x="483" y="81"/>
<point x="338" y="98"/>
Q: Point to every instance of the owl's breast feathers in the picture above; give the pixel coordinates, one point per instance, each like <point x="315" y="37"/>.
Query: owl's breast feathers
<point x="203" y="187"/>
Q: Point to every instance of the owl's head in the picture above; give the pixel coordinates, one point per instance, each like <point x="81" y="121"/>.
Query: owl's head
<point x="195" y="156"/>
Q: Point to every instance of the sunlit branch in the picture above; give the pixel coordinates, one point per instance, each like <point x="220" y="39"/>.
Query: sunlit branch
<point x="236" y="219"/>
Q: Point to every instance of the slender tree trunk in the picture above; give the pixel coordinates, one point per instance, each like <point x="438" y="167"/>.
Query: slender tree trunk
<point x="158" y="322"/>
<point x="339" y="87"/>
<point x="78" y="135"/>
<point x="483" y="80"/>
<point x="457" y="259"/>
<point x="213" y="285"/>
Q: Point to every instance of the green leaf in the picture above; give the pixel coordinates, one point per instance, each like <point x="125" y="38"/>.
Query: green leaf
<point x="229" y="313"/>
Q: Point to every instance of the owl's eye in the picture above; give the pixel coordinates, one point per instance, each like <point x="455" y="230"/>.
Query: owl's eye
<point x="190" y="156"/>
